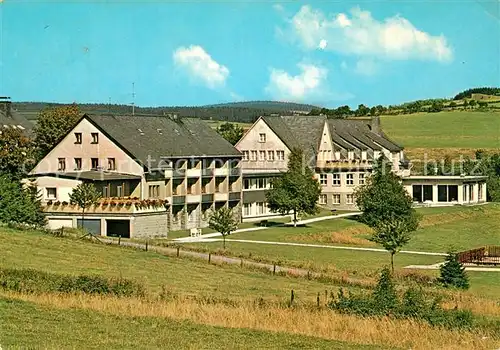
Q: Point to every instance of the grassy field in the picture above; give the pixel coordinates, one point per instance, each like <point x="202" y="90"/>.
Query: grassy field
<point x="42" y="326"/>
<point x="187" y="319"/>
<point x="456" y="129"/>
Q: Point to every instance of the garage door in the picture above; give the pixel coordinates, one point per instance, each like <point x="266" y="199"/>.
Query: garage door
<point x="55" y="224"/>
<point x="91" y="225"/>
<point x="115" y="228"/>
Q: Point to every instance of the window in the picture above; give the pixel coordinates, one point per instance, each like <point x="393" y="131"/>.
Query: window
<point x="51" y="193"/>
<point x="245" y="155"/>
<point x="363" y="155"/>
<point x="350" y="155"/>
<point x="350" y="179"/>
<point x="270" y="156"/>
<point x="94" y="163"/>
<point x="350" y="199"/>
<point x="105" y="191"/>
<point x="154" y="191"/>
<point x="480" y="192"/>
<point x="361" y="179"/>
<point x="247" y="209"/>
<point x="95" y="137"/>
<point x="119" y="191"/>
<point x="280" y="155"/>
<point x="78" y="163"/>
<point x="260" y="208"/>
<point x="246" y="184"/>
<point x="262" y="155"/>
<point x="336" y="198"/>
<point x="262" y="137"/>
<point x="323" y="179"/>
<point x="336" y="179"/>
<point x="253" y="155"/>
<point x="111" y="164"/>
<point x="322" y="199"/>
<point x="78" y="138"/>
<point x="61" y="164"/>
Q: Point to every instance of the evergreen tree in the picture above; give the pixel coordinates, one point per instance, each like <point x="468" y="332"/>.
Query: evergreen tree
<point x="384" y="295"/>
<point x="453" y="273"/>
<point x="296" y="190"/>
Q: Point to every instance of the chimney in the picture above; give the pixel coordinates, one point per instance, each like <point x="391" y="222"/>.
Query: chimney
<point x="5" y="106"/>
<point x="375" y="124"/>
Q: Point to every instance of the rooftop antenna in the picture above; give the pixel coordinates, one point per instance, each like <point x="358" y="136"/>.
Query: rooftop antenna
<point x="133" y="98"/>
<point x="109" y="106"/>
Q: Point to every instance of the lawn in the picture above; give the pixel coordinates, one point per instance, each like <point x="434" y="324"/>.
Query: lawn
<point x="67" y="256"/>
<point x="455" y="129"/>
<point x="29" y="325"/>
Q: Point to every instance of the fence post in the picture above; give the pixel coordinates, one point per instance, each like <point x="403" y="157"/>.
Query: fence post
<point x="178" y="248"/>
<point x="308" y="275"/>
<point x="274" y="269"/>
<point x="209" y="257"/>
<point x="119" y="239"/>
<point x="317" y="300"/>
<point x="241" y="263"/>
<point x="292" y="297"/>
<point x="326" y="297"/>
<point x="146" y="245"/>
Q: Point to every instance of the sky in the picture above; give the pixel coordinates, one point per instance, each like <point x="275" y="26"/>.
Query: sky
<point x="179" y="53"/>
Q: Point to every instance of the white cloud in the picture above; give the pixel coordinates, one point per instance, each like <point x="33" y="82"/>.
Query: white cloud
<point x="278" y="7"/>
<point x="366" y="67"/>
<point x="201" y="66"/>
<point x="322" y="44"/>
<point x="360" y="34"/>
<point x="309" y="85"/>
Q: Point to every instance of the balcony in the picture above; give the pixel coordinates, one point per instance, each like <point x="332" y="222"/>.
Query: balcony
<point x="178" y="200"/>
<point x="121" y="206"/>
<point x="193" y="172"/>
<point x="192" y="198"/>
<point x="221" y="171"/>
<point x="235" y="172"/>
<point x="235" y="196"/>
<point x="207" y="172"/>
<point x="344" y="164"/>
<point x="221" y="197"/>
<point x="179" y="173"/>
<point x="207" y="198"/>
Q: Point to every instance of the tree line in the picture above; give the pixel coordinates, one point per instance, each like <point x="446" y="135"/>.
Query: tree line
<point x="481" y="90"/>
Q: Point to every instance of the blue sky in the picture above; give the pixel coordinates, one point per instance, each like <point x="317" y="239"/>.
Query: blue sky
<point x="195" y="53"/>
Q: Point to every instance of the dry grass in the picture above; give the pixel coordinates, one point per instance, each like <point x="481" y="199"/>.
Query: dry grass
<point x="445" y="218"/>
<point x="319" y="323"/>
<point x="345" y="236"/>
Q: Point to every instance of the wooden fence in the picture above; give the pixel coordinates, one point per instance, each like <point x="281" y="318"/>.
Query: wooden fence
<point x="481" y="256"/>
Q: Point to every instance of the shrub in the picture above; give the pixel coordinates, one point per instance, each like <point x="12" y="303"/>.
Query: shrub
<point x="413" y="304"/>
<point x="34" y="281"/>
<point x="453" y="273"/>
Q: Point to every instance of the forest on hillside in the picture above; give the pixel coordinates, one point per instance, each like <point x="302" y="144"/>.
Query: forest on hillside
<point x="246" y="112"/>
<point x="482" y="90"/>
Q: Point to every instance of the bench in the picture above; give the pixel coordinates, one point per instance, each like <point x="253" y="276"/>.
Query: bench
<point x="195" y="232"/>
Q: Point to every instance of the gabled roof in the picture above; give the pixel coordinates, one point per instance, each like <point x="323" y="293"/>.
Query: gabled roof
<point x="303" y="132"/>
<point x="15" y="120"/>
<point x="159" y="137"/>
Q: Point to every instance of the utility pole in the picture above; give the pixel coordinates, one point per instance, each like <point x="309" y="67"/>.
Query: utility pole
<point x="133" y="98"/>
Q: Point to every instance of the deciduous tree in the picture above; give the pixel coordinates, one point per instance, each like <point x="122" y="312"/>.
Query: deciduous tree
<point x="387" y="208"/>
<point x="16" y="152"/>
<point x="52" y="124"/>
<point x="296" y="190"/>
<point x="84" y="195"/>
<point x="222" y="220"/>
<point x="231" y="132"/>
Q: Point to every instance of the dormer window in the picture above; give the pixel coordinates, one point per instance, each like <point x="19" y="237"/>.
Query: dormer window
<point x="78" y="138"/>
<point x="95" y="138"/>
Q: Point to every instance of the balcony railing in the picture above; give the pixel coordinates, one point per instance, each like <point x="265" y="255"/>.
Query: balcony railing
<point x="234" y="196"/>
<point x="178" y="200"/>
<point x="207" y="198"/>
<point x="179" y="173"/>
<point x="344" y="163"/>
<point x="207" y="172"/>
<point x="234" y="171"/>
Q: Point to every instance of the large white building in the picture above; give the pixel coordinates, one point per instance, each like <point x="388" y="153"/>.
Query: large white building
<point x="341" y="152"/>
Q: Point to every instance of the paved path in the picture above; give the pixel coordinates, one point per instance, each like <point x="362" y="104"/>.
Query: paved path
<point x="467" y="268"/>
<point x="321" y="246"/>
<point x="214" y="258"/>
<point x="300" y="222"/>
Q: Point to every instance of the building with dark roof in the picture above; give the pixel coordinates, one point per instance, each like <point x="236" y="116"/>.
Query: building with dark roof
<point x="155" y="173"/>
<point x="342" y="153"/>
<point x="10" y="118"/>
